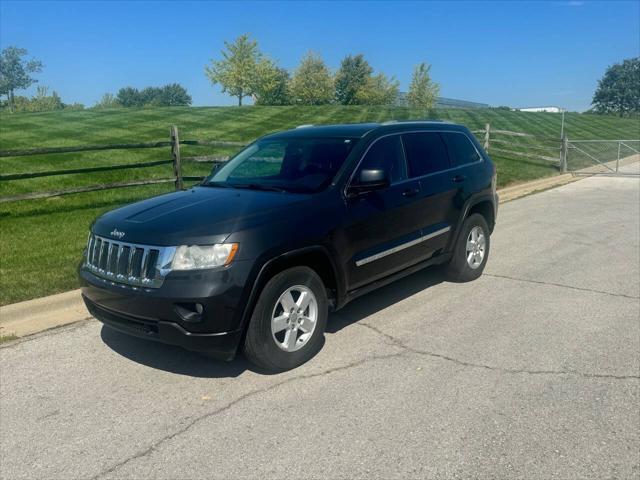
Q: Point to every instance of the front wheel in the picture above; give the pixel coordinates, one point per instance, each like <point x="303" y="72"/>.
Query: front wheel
<point x="471" y="251"/>
<point x="288" y="322"/>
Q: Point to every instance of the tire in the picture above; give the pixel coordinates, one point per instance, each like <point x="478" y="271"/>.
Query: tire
<point x="280" y="351"/>
<point x="460" y="268"/>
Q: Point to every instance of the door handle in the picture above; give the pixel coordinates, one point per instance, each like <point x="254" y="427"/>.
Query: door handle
<point x="459" y="178"/>
<point x="410" y="192"/>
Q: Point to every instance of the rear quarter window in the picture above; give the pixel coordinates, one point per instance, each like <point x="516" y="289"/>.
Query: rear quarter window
<point x="461" y="150"/>
<point x="426" y="153"/>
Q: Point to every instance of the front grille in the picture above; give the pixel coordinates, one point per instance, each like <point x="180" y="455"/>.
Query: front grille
<point x="128" y="263"/>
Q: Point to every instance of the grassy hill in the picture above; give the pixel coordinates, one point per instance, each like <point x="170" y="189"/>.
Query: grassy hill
<point x="41" y="240"/>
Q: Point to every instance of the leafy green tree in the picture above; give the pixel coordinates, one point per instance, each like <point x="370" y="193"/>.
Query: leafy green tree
<point x="149" y="96"/>
<point x="312" y="83"/>
<point x="237" y="70"/>
<point x="15" y="72"/>
<point x="353" y="75"/>
<point x="173" y="95"/>
<point x="378" y="90"/>
<point x="40" y="102"/>
<point x="618" y="90"/>
<point x="129" y="97"/>
<point x="271" y="84"/>
<point x="170" y="95"/>
<point x="108" y="100"/>
<point x="43" y="102"/>
<point x="423" y="92"/>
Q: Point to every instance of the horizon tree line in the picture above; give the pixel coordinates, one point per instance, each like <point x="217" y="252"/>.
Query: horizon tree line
<point x="245" y="71"/>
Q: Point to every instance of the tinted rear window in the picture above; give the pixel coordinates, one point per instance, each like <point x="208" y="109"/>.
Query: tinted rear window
<point x="461" y="150"/>
<point x="426" y="153"/>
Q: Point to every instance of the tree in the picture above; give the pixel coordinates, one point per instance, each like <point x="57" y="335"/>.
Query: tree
<point x="129" y="97"/>
<point x="619" y="89"/>
<point x="15" y="72"/>
<point x="312" y="83"/>
<point x="149" y="96"/>
<point x="378" y="90"/>
<point x="423" y="92"/>
<point x="170" y="95"/>
<point x="43" y="102"/>
<point x="173" y="95"/>
<point x="237" y="70"/>
<point x="353" y="75"/>
<point x="108" y="100"/>
<point x="271" y="86"/>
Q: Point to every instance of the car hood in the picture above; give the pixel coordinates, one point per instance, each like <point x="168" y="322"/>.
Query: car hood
<point x="200" y="215"/>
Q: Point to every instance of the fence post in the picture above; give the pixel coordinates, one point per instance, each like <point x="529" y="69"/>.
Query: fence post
<point x="175" y="154"/>
<point x="618" y="159"/>
<point x="487" y="133"/>
<point x="564" y="150"/>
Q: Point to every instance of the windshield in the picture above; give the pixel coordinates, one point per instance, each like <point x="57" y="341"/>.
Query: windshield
<point x="289" y="164"/>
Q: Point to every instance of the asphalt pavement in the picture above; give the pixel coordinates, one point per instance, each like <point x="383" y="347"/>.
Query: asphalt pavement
<point x="532" y="371"/>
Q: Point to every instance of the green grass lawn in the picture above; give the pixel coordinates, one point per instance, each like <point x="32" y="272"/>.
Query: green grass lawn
<point x="41" y="240"/>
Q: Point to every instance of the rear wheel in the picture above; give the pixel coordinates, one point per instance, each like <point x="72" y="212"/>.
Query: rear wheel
<point x="288" y="322"/>
<point x="471" y="250"/>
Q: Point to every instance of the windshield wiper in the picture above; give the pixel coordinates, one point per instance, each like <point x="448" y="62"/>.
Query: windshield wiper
<point x="258" y="186"/>
<point x="216" y="184"/>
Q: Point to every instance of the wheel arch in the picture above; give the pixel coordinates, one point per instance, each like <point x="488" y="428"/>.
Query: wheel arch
<point x="486" y="209"/>
<point x="316" y="257"/>
<point x="481" y="204"/>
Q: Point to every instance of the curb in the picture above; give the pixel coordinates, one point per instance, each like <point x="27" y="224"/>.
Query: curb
<point x="33" y="316"/>
<point x="37" y="315"/>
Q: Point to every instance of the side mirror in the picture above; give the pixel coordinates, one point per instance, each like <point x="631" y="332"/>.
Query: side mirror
<point x="368" y="181"/>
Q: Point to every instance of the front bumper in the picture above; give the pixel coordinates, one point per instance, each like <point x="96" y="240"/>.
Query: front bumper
<point x="220" y="345"/>
<point x="154" y="314"/>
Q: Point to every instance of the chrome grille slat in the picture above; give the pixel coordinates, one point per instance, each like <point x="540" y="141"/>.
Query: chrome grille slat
<point x="140" y="266"/>
<point x="102" y="245"/>
<point x="107" y="267"/>
<point x="132" y="250"/>
<point x="95" y="249"/>
<point x="143" y="264"/>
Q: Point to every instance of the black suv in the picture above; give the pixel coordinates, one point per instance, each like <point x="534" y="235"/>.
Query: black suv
<point x="295" y="225"/>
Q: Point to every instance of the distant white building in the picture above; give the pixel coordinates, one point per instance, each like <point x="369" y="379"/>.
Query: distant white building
<point x="541" y="109"/>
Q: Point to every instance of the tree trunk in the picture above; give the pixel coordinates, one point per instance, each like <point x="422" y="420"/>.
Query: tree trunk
<point x="240" y="100"/>
<point x="11" y="101"/>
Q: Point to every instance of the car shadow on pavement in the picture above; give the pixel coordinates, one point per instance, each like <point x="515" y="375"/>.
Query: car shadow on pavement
<point x="384" y="297"/>
<point x="170" y="358"/>
<point x="182" y="362"/>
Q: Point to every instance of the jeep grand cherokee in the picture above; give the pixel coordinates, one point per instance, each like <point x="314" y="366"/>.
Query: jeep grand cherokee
<point x="295" y="225"/>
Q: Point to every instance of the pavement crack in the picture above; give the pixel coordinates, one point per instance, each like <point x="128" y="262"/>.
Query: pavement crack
<point x="194" y="421"/>
<point x="516" y="371"/>
<point x="553" y="284"/>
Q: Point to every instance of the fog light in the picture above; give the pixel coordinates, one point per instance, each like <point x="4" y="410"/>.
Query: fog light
<point x="190" y="312"/>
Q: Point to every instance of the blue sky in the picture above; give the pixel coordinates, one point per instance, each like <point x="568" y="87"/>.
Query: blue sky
<point x="502" y="53"/>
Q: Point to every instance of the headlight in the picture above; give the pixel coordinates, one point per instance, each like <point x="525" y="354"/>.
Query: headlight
<point x="194" y="257"/>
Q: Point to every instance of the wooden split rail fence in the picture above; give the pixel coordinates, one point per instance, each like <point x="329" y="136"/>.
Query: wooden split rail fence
<point x="528" y="146"/>
<point x="176" y="161"/>
<point x="553" y="150"/>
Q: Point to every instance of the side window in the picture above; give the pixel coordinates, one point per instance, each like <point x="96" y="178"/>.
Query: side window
<point x="386" y="153"/>
<point x="461" y="150"/>
<point x="426" y="153"/>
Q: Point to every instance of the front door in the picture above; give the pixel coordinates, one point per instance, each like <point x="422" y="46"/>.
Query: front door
<point x="383" y="227"/>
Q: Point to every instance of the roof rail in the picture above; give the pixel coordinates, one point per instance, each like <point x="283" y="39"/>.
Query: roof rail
<point x="307" y="125"/>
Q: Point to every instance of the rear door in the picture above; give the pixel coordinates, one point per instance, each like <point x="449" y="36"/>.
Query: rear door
<point x="428" y="163"/>
<point x="383" y="227"/>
